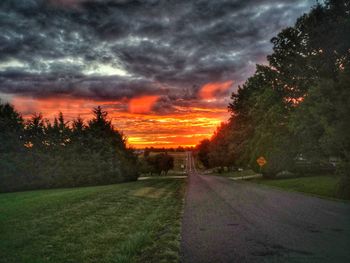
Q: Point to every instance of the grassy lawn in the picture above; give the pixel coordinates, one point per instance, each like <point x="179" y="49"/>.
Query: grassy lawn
<point x="131" y="222"/>
<point x="324" y="186"/>
<point x="235" y="173"/>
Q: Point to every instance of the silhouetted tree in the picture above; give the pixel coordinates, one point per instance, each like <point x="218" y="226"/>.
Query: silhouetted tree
<point x="203" y="149"/>
<point x="161" y="162"/>
<point x="11" y="147"/>
<point x="41" y="154"/>
<point x="297" y="103"/>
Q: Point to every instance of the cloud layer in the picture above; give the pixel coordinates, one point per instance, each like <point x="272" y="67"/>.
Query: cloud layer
<point x="187" y="54"/>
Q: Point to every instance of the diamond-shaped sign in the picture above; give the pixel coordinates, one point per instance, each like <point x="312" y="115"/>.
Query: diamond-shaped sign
<point x="261" y="161"/>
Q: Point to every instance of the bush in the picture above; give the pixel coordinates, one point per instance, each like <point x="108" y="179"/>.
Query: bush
<point x="317" y="168"/>
<point x="277" y="162"/>
<point x="343" y="190"/>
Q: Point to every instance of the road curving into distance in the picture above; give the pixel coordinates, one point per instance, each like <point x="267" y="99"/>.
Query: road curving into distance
<point x="227" y="221"/>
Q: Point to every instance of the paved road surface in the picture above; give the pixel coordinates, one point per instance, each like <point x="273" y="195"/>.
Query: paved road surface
<point x="227" y="221"/>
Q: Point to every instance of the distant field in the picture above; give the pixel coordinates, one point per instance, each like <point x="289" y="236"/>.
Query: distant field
<point x="317" y="185"/>
<point x="131" y="222"/>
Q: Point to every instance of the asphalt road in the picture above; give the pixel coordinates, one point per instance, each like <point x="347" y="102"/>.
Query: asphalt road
<point x="228" y="221"/>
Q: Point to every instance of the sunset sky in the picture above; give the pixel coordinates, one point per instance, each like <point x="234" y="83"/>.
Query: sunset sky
<point x="164" y="70"/>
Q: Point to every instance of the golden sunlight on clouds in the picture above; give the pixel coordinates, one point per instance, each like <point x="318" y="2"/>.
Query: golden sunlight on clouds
<point x="185" y="129"/>
<point x="209" y="90"/>
<point x="186" y="126"/>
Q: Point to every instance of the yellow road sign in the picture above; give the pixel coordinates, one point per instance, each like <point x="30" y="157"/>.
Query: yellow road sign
<point x="261" y="161"/>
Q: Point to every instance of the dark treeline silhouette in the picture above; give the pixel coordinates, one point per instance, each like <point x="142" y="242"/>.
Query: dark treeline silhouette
<point x="158" y="164"/>
<point x="40" y="154"/>
<point x="296" y="108"/>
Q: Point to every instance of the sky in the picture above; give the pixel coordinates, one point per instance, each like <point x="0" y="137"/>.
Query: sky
<point x="163" y="69"/>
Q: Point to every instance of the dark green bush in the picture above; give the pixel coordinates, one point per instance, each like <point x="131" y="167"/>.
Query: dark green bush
<point x="343" y="190"/>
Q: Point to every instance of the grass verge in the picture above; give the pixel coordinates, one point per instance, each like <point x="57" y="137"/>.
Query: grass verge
<point x="235" y="173"/>
<point x="131" y="222"/>
<point x="323" y="186"/>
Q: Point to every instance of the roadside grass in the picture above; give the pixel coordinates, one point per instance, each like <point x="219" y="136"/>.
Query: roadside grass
<point x="323" y="186"/>
<point x="130" y="222"/>
<point x="169" y="175"/>
<point x="235" y="173"/>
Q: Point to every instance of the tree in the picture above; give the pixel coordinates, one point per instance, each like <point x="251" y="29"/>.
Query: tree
<point x="11" y="126"/>
<point x="221" y="154"/>
<point x="161" y="162"/>
<point x="203" y="149"/>
<point x="11" y="147"/>
<point x="44" y="154"/>
<point x="322" y="124"/>
<point x="295" y="104"/>
<point x="115" y="161"/>
<point x="166" y="162"/>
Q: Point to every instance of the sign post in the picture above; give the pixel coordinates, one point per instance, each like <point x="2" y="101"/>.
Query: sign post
<point x="261" y="162"/>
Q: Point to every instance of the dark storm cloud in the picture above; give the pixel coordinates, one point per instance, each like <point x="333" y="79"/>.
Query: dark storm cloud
<point x="80" y="86"/>
<point x="167" y="48"/>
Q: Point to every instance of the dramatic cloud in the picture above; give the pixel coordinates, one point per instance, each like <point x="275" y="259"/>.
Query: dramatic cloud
<point x="181" y="52"/>
<point x="142" y="104"/>
<point x="214" y="89"/>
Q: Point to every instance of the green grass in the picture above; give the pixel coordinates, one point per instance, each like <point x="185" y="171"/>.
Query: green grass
<point x="235" y="173"/>
<point x="323" y="186"/>
<point x="131" y="222"/>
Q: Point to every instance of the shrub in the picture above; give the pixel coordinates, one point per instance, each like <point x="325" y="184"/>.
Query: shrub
<point x="343" y="190"/>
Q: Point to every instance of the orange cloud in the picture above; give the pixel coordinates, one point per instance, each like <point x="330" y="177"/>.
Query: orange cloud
<point x="211" y="89"/>
<point x="142" y="104"/>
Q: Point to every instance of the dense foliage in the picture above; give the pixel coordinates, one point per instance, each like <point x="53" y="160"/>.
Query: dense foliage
<point x="39" y="154"/>
<point x="297" y="106"/>
<point x="159" y="163"/>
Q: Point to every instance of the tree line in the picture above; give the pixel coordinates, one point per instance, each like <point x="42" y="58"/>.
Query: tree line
<point x="296" y="108"/>
<point x="170" y="149"/>
<point x="159" y="163"/>
<point x="37" y="153"/>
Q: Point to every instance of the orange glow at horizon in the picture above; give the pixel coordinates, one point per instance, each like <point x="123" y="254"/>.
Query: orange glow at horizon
<point x="186" y="126"/>
<point x="142" y="104"/>
<point x="209" y="90"/>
